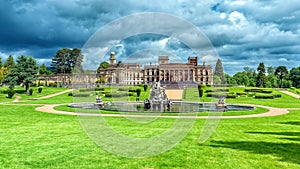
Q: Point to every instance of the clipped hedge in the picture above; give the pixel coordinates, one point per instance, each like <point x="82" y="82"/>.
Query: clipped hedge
<point x="132" y="90"/>
<point x="258" y="90"/>
<point x="118" y="94"/>
<point x="123" y="89"/>
<point x="277" y="95"/>
<point x="266" y="91"/>
<point x="91" y="89"/>
<point x="217" y="90"/>
<point x="264" y="96"/>
<point x="241" y="93"/>
<point x="220" y="95"/>
<point x="81" y="95"/>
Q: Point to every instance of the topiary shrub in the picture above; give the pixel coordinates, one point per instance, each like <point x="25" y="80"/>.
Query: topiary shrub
<point x="70" y="94"/>
<point x="145" y="87"/>
<point x="40" y="89"/>
<point x="30" y="91"/>
<point x="277" y="95"/>
<point x="200" y="91"/>
<point x="138" y="92"/>
<point x="108" y="95"/>
<point x="10" y="93"/>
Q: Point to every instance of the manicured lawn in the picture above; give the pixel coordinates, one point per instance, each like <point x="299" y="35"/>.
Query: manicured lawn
<point x="30" y="139"/>
<point x="20" y="91"/>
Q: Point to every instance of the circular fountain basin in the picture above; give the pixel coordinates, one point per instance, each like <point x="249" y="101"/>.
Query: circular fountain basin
<point x="177" y="107"/>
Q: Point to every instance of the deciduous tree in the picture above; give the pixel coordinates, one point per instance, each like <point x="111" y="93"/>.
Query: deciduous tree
<point x="67" y="61"/>
<point x="24" y="72"/>
<point x="281" y="72"/>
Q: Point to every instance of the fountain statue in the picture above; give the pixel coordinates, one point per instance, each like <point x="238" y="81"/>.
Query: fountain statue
<point x="158" y="98"/>
<point x="99" y="102"/>
<point x="221" y="104"/>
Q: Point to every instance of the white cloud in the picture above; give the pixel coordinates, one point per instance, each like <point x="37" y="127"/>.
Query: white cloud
<point x="282" y="59"/>
<point x="237" y="18"/>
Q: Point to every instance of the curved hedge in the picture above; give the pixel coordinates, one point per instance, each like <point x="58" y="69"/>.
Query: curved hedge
<point x="118" y="94"/>
<point x="220" y="95"/>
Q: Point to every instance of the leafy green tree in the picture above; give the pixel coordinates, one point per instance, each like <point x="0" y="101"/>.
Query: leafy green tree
<point x="3" y="72"/>
<point x="230" y="79"/>
<point x="219" y="71"/>
<point x="251" y="74"/>
<point x="67" y="61"/>
<point x="9" y="63"/>
<point x="103" y="65"/>
<point x="43" y="70"/>
<point x="261" y="79"/>
<point x="270" y="70"/>
<point x="24" y="72"/>
<point x="241" y="78"/>
<point x="281" y="72"/>
<point x="77" y="59"/>
<point x="217" y="80"/>
<point x="294" y="76"/>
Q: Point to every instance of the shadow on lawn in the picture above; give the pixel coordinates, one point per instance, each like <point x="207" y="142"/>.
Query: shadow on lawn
<point x="278" y="133"/>
<point x="297" y="123"/>
<point x="288" y="152"/>
<point x="292" y="136"/>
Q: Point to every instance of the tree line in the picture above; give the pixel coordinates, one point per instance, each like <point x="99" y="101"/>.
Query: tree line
<point x="26" y="70"/>
<point x="270" y="77"/>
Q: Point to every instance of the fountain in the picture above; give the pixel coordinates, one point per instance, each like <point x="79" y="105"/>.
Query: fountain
<point x="159" y="102"/>
<point x="221" y="104"/>
<point x="158" y="98"/>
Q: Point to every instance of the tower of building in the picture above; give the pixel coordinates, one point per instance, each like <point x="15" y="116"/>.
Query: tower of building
<point x="112" y="58"/>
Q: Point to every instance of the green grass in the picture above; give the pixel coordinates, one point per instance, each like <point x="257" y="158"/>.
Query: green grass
<point x="20" y="91"/>
<point x="30" y="139"/>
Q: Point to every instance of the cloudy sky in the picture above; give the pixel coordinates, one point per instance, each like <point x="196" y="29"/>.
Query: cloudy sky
<point x="243" y="33"/>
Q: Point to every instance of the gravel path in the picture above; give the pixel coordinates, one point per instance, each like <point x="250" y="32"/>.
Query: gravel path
<point x="290" y="93"/>
<point x="272" y="112"/>
<point x="174" y="94"/>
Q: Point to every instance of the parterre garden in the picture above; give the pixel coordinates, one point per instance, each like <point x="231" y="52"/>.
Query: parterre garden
<point x="32" y="139"/>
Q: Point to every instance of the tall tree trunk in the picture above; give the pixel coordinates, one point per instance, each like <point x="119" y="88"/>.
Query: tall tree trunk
<point x="27" y="87"/>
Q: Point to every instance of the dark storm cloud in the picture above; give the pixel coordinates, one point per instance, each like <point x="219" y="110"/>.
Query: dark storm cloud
<point x="242" y="32"/>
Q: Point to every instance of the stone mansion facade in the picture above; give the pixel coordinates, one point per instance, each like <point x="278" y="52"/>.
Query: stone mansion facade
<point x="173" y="74"/>
<point x="164" y="72"/>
